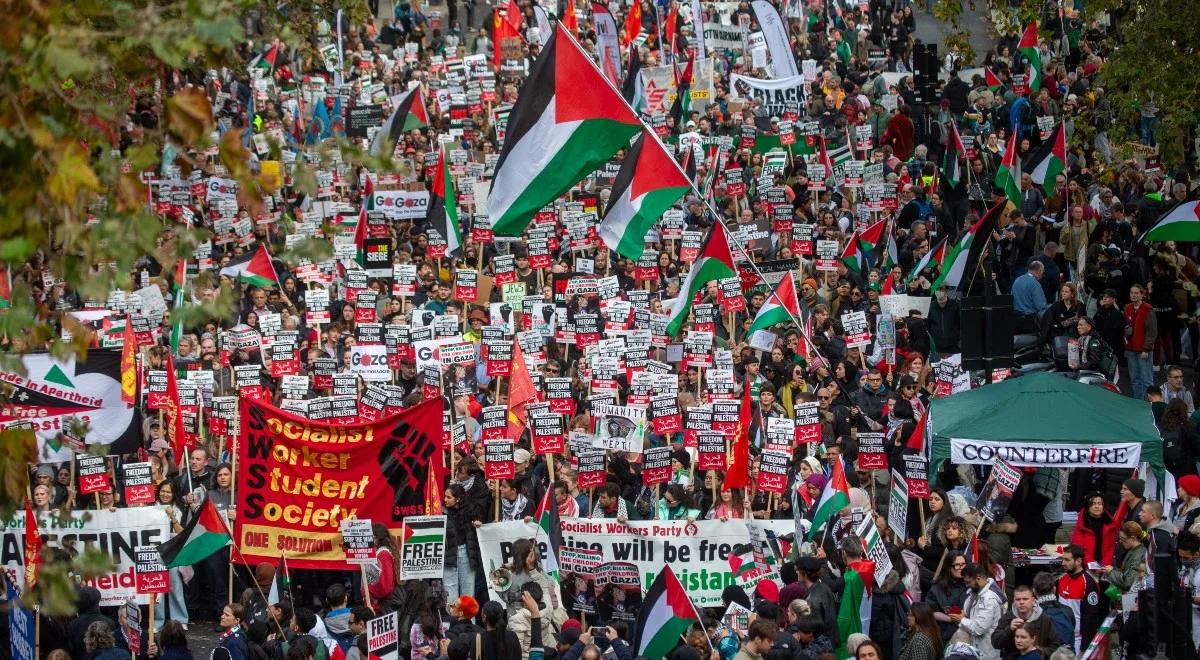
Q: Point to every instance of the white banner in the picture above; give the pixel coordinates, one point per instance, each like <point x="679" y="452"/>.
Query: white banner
<point x="698" y="29"/>
<point x="698" y="552"/>
<point x="607" y="45"/>
<point x="774" y="94"/>
<point x="725" y="37"/>
<point x="402" y="204"/>
<point x="783" y="63"/>
<point x="115" y="533"/>
<point x="1045" y="454"/>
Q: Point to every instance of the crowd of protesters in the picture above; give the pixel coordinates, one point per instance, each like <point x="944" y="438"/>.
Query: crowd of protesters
<point x="1072" y="260"/>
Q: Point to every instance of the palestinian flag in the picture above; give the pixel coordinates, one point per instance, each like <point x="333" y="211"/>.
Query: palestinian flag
<point x="1181" y="223"/>
<point x="648" y="183"/>
<point x="681" y="107"/>
<point x="714" y="263"/>
<point x="1050" y="160"/>
<point x="631" y="86"/>
<point x="254" y="268"/>
<point x="1029" y="48"/>
<point x="854" y="610"/>
<point x="567" y="121"/>
<point x="360" y="225"/>
<point x="281" y="586"/>
<point x="835" y="496"/>
<point x="741" y="561"/>
<point x="443" y="206"/>
<point x="964" y="257"/>
<point x="853" y="255"/>
<point x="408" y="115"/>
<point x="268" y="60"/>
<point x="665" y="614"/>
<point x="424" y="531"/>
<point x="782" y="306"/>
<point x="203" y="536"/>
<point x="993" y="81"/>
<point x="180" y="295"/>
<point x="892" y="256"/>
<point x="1008" y="177"/>
<point x="871" y="238"/>
<point x="935" y="256"/>
<point x="546" y="516"/>
<point x="953" y="159"/>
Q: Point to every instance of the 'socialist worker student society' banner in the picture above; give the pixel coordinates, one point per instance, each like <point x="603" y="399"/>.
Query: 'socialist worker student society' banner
<point x="300" y="479"/>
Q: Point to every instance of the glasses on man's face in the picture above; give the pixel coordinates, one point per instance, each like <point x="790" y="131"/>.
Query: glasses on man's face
<point x="824" y="398"/>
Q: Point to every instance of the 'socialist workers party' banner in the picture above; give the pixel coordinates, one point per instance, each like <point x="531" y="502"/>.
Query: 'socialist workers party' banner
<point x="300" y="479"/>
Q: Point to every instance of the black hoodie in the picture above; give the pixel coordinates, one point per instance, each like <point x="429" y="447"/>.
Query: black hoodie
<point x="89" y="612"/>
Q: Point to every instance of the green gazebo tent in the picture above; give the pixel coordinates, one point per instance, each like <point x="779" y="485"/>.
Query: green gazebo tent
<point x="1045" y="420"/>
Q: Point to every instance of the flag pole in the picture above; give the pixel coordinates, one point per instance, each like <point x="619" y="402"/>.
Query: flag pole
<point x="235" y="550"/>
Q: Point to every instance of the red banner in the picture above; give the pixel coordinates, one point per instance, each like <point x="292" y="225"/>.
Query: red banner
<point x="301" y="478"/>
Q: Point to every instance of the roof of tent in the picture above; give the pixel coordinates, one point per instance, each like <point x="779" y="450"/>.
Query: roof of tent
<point x="1045" y="408"/>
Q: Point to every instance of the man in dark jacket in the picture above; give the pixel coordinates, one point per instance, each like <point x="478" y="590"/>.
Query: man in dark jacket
<point x="872" y="396"/>
<point x="1110" y="322"/>
<point x="1025" y="612"/>
<point x="89" y="613"/>
<point x="944" y="322"/>
<point x="1061" y="616"/>
<point x="819" y="596"/>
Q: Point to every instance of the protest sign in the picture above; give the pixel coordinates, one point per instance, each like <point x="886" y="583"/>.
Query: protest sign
<point x="773" y="471"/>
<point x="358" y="541"/>
<point x="383" y="636"/>
<point x="139" y="484"/>
<point x="998" y="490"/>
<point x="303" y="477"/>
<point x="151" y="573"/>
<point x="898" y="505"/>
<point x="93" y="474"/>
<point x="423" y="547"/>
<point x="656" y="465"/>
<point x="22" y="626"/>
<point x="871" y="455"/>
<point x="498" y="460"/>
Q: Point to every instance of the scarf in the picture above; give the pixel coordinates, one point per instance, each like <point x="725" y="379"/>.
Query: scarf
<point x="512" y="510"/>
<point x="232" y="631"/>
<point x="466" y="483"/>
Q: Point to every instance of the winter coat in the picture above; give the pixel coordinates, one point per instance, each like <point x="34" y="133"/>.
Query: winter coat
<point x="943" y="597"/>
<point x="981" y="615"/>
<point x="461" y="531"/>
<point x="918" y="646"/>
<point x="1044" y="634"/>
<point x="888" y="611"/>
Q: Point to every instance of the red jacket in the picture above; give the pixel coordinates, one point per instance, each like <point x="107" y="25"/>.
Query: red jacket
<point x="900" y="134"/>
<point x="1144" y="325"/>
<point x="1086" y="538"/>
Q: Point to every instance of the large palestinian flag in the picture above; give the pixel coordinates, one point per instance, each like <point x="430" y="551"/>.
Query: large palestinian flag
<point x="1050" y="160"/>
<point x="1181" y="223"/>
<point x="835" y="496"/>
<point x="714" y="263"/>
<point x="665" y="615"/>
<point x="935" y="256"/>
<point x="964" y="258"/>
<point x="567" y="121"/>
<point x="781" y="307"/>
<point x="254" y="268"/>
<point x="203" y="536"/>
<point x="648" y="183"/>
<point x="443" y="207"/>
<point x="409" y="114"/>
